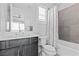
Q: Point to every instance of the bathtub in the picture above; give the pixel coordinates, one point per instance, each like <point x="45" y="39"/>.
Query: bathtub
<point x="66" y="48"/>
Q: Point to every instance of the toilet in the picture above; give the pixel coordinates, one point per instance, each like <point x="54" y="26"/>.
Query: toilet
<point x="45" y="49"/>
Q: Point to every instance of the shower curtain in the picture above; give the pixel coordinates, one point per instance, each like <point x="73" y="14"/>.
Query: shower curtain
<point x="52" y="25"/>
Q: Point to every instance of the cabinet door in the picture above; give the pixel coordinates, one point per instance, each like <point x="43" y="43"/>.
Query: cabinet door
<point x="34" y="49"/>
<point x="24" y="41"/>
<point x="33" y="39"/>
<point x="25" y="50"/>
<point x="9" y="52"/>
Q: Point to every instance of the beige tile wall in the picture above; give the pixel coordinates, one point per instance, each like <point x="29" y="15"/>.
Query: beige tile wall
<point x="68" y="19"/>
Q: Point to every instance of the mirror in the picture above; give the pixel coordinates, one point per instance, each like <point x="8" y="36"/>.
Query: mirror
<point x="16" y="20"/>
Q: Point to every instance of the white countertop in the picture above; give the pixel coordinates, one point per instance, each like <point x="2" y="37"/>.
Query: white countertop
<point x="12" y="35"/>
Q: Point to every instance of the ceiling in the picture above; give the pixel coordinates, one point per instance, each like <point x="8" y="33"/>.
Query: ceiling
<point x="60" y="6"/>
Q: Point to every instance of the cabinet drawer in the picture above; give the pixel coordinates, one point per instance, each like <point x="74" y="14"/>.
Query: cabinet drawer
<point x="12" y="43"/>
<point x="17" y="42"/>
<point x="24" y="41"/>
<point x="2" y="45"/>
<point x="33" y="39"/>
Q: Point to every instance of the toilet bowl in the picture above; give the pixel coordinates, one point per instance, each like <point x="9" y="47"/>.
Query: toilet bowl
<point x="48" y="50"/>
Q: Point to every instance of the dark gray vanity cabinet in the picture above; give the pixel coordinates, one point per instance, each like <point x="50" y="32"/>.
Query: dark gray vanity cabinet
<point x="19" y="47"/>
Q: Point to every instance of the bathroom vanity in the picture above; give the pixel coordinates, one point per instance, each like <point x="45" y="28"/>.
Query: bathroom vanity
<point x="19" y="47"/>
